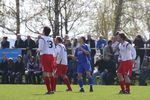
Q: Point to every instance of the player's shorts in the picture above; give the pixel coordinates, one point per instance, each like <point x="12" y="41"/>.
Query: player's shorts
<point x="47" y="62"/>
<point x="61" y="69"/>
<point x="85" y="67"/>
<point x="125" y="67"/>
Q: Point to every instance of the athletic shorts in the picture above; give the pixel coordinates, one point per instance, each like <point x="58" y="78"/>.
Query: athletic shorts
<point x="61" y="69"/>
<point x="82" y="68"/>
<point x="125" y="67"/>
<point x="47" y="62"/>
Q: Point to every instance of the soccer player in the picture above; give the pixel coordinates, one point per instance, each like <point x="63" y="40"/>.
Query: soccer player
<point x="127" y="54"/>
<point x="46" y="49"/>
<point x="61" y="60"/>
<point x="82" y="54"/>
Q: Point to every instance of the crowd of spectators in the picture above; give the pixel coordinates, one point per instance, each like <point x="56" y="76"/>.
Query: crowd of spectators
<point x="104" y="54"/>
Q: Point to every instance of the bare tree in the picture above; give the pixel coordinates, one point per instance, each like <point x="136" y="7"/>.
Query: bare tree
<point x="118" y="14"/>
<point x="17" y="16"/>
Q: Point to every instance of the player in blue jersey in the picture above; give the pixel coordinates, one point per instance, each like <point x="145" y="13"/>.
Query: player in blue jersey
<point x="82" y="54"/>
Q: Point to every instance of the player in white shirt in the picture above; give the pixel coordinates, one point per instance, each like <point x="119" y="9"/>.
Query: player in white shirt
<point x="62" y="63"/>
<point x="46" y="49"/>
<point x="127" y="55"/>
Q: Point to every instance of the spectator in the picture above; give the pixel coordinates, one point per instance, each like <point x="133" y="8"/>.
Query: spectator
<point x="101" y="44"/>
<point x="148" y="45"/>
<point x="5" y="43"/>
<point x="108" y="50"/>
<point x="68" y="44"/>
<point x="100" y="72"/>
<point x="4" y="69"/>
<point x="91" y="44"/>
<point x="115" y="47"/>
<point x="30" y="71"/>
<point x="106" y="71"/>
<point x="145" y="71"/>
<point x="37" y="42"/>
<point x="139" y="43"/>
<point x="37" y="71"/>
<point x="19" y="43"/>
<point x="19" y="69"/>
<point x="110" y="71"/>
<point x="29" y="45"/>
<point x="11" y="71"/>
<point x="72" y="69"/>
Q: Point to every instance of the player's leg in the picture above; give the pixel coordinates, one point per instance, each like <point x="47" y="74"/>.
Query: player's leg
<point x="65" y="77"/>
<point x="80" y="82"/>
<point x="67" y="82"/>
<point x="88" y="75"/>
<point x="48" y="72"/>
<point x="80" y="70"/>
<point x="121" y="82"/>
<point x="55" y="81"/>
<point x="127" y="83"/>
<point x="128" y="72"/>
<point x="52" y="80"/>
<point x="120" y="73"/>
<point x="47" y="82"/>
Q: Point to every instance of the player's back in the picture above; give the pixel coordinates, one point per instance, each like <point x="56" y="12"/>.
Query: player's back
<point x="61" y="54"/>
<point x="46" y="45"/>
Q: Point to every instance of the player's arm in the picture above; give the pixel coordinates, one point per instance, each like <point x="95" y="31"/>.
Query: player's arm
<point x="75" y="55"/>
<point x="57" y="50"/>
<point x="41" y="45"/>
<point x="133" y="51"/>
<point x="86" y="51"/>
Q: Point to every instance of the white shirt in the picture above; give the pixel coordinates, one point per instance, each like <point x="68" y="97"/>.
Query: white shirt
<point x="61" y="54"/>
<point x="126" y="51"/>
<point x="46" y="45"/>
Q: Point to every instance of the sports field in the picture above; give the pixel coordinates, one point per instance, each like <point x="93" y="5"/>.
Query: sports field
<point x="36" y="92"/>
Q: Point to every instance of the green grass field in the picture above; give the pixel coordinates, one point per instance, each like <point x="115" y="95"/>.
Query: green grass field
<point x="36" y="92"/>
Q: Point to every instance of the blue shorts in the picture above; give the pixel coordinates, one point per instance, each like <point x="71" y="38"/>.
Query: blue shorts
<point x="82" y="68"/>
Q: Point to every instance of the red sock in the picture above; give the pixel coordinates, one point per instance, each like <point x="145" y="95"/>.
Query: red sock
<point x="67" y="82"/>
<point x="52" y="82"/>
<point x="47" y="82"/>
<point x="127" y="87"/>
<point x="55" y="82"/>
<point x="122" y="85"/>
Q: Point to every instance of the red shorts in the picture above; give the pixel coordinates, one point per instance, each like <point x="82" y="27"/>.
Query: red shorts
<point x="125" y="67"/>
<point x="61" y="69"/>
<point x="47" y="62"/>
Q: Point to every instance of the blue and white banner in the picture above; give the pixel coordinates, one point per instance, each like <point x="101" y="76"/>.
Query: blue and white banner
<point x="10" y="53"/>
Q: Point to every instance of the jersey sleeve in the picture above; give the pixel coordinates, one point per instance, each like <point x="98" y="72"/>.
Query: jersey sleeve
<point x="133" y="51"/>
<point x="41" y="44"/>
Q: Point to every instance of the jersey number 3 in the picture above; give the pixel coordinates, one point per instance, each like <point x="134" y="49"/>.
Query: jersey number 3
<point x="50" y="44"/>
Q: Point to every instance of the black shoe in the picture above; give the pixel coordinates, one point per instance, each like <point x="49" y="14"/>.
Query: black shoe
<point x="69" y="90"/>
<point x="49" y="93"/>
<point x="81" y="90"/>
<point x="91" y="89"/>
<point x="127" y="92"/>
<point x="122" y="92"/>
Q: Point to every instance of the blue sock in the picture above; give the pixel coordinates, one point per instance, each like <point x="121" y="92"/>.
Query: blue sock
<point x="90" y="81"/>
<point x="80" y="82"/>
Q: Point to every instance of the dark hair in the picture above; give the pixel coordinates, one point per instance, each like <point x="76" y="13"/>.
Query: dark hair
<point x="122" y="36"/>
<point x="46" y="30"/>
<point x="128" y="40"/>
<point x="83" y="38"/>
<point x="117" y="33"/>
<point x="60" y="40"/>
<point x="110" y="41"/>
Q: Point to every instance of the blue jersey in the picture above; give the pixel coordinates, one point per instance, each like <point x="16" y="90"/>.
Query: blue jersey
<point x="81" y="56"/>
